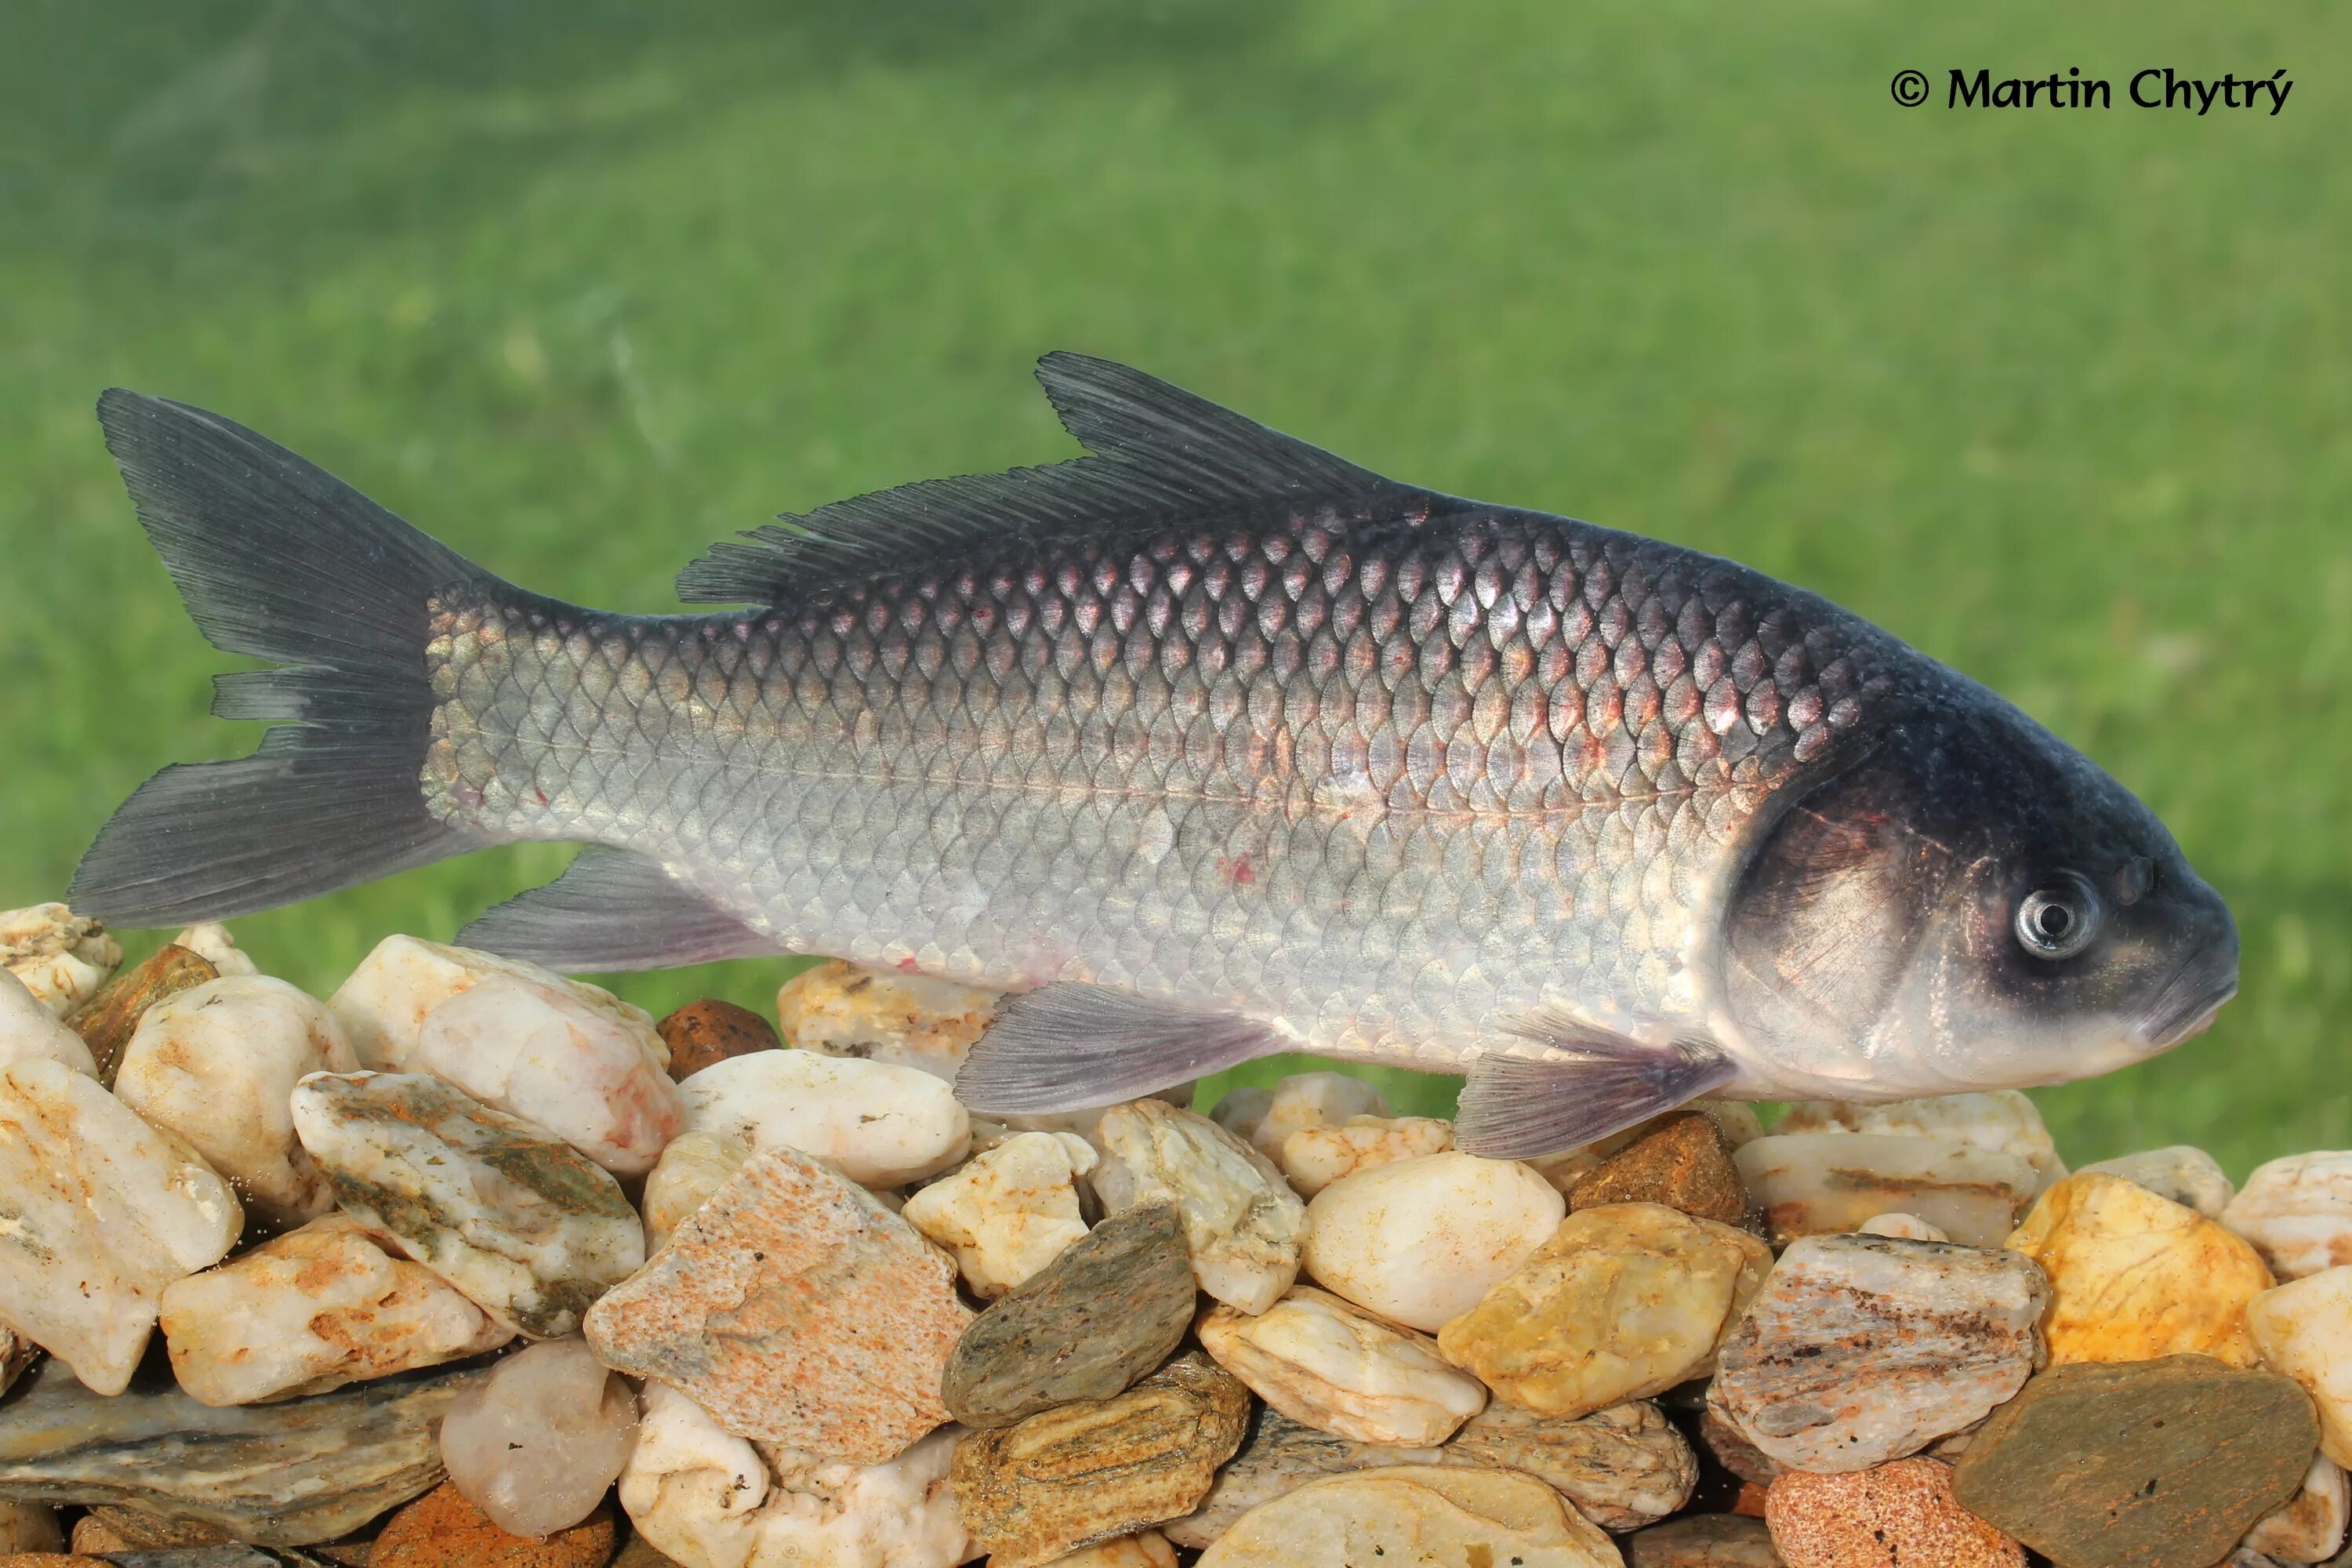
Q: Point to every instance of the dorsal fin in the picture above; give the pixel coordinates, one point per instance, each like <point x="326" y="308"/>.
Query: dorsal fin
<point x="1155" y="449"/>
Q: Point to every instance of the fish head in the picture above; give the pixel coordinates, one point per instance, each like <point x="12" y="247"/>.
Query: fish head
<point x="1969" y="904"/>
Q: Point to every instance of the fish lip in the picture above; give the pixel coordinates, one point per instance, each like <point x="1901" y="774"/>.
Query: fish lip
<point x="2187" y="1001"/>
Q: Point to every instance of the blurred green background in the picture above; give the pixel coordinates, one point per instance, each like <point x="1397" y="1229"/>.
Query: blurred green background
<point x="2064" y="399"/>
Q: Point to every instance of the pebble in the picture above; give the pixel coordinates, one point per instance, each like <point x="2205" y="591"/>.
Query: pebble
<point x="109" y="1527"/>
<point x="1729" y="1446"/>
<point x="1109" y="1309"/>
<point x="105" y="1211"/>
<point x="1277" y="1457"/>
<point x="1305" y="1099"/>
<point x="709" y="1499"/>
<point x="331" y="1303"/>
<point x="537" y="1443"/>
<point x="1901" y="1515"/>
<point x="112" y="1017"/>
<point x="521" y="1224"/>
<point x="1008" y="1212"/>
<point x="899" y="1019"/>
<point x="2309" y="1527"/>
<point x="1624" y="1302"/>
<point x="30" y="1032"/>
<point x="1704" y="1540"/>
<point x="2002" y="1119"/>
<point x="2134" y="1277"/>
<point x="1735" y="1120"/>
<point x="1683" y="1161"/>
<point x="1087" y="1472"/>
<point x="1148" y="1550"/>
<point x="1863" y="1348"/>
<point x="881" y="1125"/>
<point x="212" y="943"/>
<point x="708" y="1031"/>
<point x="2297" y="1212"/>
<point x="217" y="1065"/>
<point x="2187" y="1176"/>
<point x="1312" y="1158"/>
<point x="444" y="1530"/>
<point x="1239" y="1111"/>
<point x="2150" y="1464"/>
<point x="1420" y="1241"/>
<point x="31" y="1527"/>
<point x="1820" y="1183"/>
<point x="1902" y="1226"/>
<point x="288" y="1474"/>
<point x="794" y="1309"/>
<point x="1241" y="1221"/>
<point x="62" y="958"/>
<point x="1624" y="1468"/>
<point x="535" y="1049"/>
<point x="383" y="1002"/>
<point x="2304" y="1328"/>
<point x="1319" y="1361"/>
<point x="694" y="1166"/>
<point x="1414" y="1514"/>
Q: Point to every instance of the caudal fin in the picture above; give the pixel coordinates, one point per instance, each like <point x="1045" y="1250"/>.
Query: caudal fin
<point x="279" y="559"/>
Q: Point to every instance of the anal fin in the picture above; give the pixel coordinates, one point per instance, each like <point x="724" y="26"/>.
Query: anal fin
<point x="1066" y="1047"/>
<point x="1600" y="1082"/>
<point x="614" y="910"/>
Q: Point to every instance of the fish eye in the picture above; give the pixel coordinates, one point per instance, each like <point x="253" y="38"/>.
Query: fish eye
<point x="2058" y="919"/>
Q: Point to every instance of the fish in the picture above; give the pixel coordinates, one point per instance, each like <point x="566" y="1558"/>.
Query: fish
<point x="1204" y="745"/>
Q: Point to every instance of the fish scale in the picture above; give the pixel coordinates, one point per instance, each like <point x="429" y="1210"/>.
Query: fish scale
<point x="1385" y="778"/>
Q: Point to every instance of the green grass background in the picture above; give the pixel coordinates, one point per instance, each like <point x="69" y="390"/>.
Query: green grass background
<point x="2063" y="399"/>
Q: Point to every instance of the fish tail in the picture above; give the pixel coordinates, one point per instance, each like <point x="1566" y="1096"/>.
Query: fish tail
<point x="279" y="559"/>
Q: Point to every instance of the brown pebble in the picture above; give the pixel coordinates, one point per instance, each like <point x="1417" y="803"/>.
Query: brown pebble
<point x="642" y="1553"/>
<point x="1900" y="1515"/>
<point x="48" y="1560"/>
<point x="442" y="1530"/>
<point x="1684" y="1162"/>
<point x="141" y="1531"/>
<point x="708" y="1031"/>
<point x="108" y="1020"/>
<point x="92" y="1536"/>
<point x="1751" y="1501"/>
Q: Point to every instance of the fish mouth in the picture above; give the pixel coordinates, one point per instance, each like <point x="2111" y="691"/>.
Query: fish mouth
<point x="2187" y="1003"/>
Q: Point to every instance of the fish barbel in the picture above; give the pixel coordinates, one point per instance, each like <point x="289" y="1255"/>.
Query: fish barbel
<point x="1211" y="744"/>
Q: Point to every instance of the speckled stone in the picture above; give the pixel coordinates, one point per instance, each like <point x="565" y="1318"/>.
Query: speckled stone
<point x="442" y="1530"/>
<point x="109" y="1020"/>
<point x="797" y="1310"/>
<point x="1685" y="1163"/>
<point x="1900" y="1515"/>
<point x="2134" y="1276"/>
<point x="1704" y="1540"/>
<point x="288" y="1474"/>
<point x="1862" y="1349"/>
<point x="1624" y="1301"/>
<point x="708" y="1031"/>
<point x="1624" y="1468"/>
<point x="1112" y="1307"/>
<point x="2150" y="1464"/>
<point x="1077" y="1474"/>
<point x="1411" y="1515"/>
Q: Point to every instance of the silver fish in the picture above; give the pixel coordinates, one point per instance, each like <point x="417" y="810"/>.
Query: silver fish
<point x="1212" y="744"/>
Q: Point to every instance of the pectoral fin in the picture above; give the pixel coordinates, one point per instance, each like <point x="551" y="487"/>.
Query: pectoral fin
<point x="1066" y="1047"/>
<point x="614" y="910"/>
<point x="1518" y="1109"/>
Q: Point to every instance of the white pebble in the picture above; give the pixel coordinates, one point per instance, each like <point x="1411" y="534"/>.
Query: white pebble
<point x="707" y="1500"/>
<point x="882" y="1126"/>
<point x="383" y="1005"/>
<point x="694" y="1166"/>
<point x="106" y="1212"/>
<point x="1307" y="1100"/>
<point x="885" y="1015"/>
<point x="594" y="1079"/>
<point x="33" y="1526"/>
<point x="217" y="1064"/>
<point x="1822" y="1183"/>
<point x="30" y="1032"/>
<point x="2002" y="1119"/>
<point x="1321" y="1362"/>
<point x="62" y="958"/>
<point x="1903" y="1226"/>
<point x="212" y="943"/>
<point x="2309" y="1526"/>
<point x="1241" y="1221"/>
<point x="1148" y="1550"/>
<point x="2297" y="1212"/>
<point x="1240" y="1110"/>
<point x="1420" y="1241"/>
<point x="2183" y="1174"/>
<point x="2304" y="1330"/>
<point x="329" y="1304"/>
<point x="1314" y="1157"/>
<point x="537" y="1443"/>
<point x="1008" y="1213"/>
